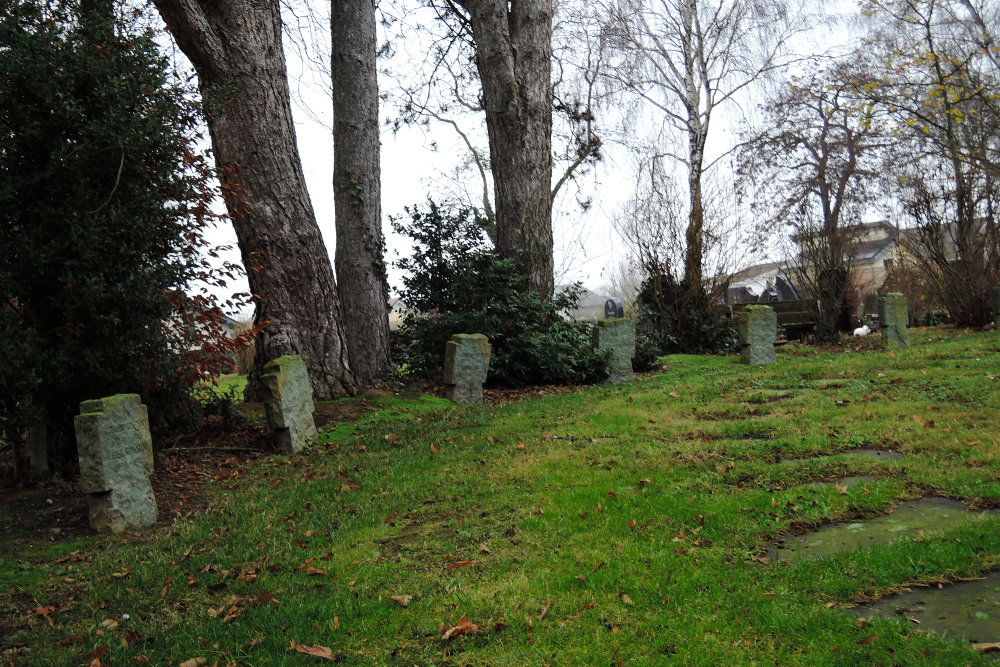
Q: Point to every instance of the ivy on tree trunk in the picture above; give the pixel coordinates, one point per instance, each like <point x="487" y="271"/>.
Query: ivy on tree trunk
<point x="359" y="261"/>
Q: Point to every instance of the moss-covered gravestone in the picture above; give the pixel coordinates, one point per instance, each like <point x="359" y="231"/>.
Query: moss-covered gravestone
<point x="116" y="460"/>
<point x="618" y="336"/>
<point x="288" y="402"/>
<point x="893" y="318"/>
<point x="466" y="361"/>
<point x="758" y="330"/>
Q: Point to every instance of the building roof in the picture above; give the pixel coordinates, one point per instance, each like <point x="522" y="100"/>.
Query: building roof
<point x="869" y="250"/>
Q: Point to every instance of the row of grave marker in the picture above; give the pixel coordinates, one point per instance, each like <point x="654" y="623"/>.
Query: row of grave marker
<point x="115" y="447"/>
<point x="758" y="328"/>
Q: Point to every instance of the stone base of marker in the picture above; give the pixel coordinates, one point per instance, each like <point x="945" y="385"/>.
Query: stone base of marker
<point x="116" y="460"/>
<point x="288" y="402"/>
<point x="131" y="506"/>
<point x="893" y="318"/>
<point x="466" y="362"/>
<point x="618" y="336"/>
<point x="758" y="330"/>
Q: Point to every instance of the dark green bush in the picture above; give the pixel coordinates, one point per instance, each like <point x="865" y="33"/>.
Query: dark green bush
<point x="103" y="203"/>
<point x="646" y="352"/>
<point x="676" y="319"/>
<point x="223" y="404"/>
<point x="457" y="283"/>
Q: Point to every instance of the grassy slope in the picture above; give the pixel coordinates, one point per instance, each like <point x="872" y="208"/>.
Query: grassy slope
<point x="548" y="497"/>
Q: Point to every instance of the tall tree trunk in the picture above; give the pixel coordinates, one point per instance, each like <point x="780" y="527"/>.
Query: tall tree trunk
<point x="361" y="277"/>
<point x="235" y="46"/>
<point x="514" y="59"/>
<point x="39" y="437"/>
<point x="695" y="233"/>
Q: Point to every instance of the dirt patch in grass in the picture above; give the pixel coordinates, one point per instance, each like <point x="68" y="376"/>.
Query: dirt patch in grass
<point x="417" y="528"/>
<point x="345" y="411"/>
<point x="55" y="510"/>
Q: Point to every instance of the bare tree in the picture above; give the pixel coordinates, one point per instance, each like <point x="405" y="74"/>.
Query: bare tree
<point x="359" y="260"/>
<point x="623" y="281"/>
<point x="514" y="71"/>
<point x="651" y="223"/>
<point x="814" y="169"/>
<point x="235" y="47"/>
<point x="513" y="56"/>
<point x="939" y="88"/>
<point x="687" y="59"/>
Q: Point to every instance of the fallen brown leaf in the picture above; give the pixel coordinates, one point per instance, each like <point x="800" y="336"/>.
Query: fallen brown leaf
<point x="401" y="600"/>
<point x="318" y="651"/>
<point x="45" y="611"/>
<point x="194" y="662"/>
<point x="464" y="627"/>
<point x="463" y="563"/>
<point x="868" y="640"/>
<point x="625" y="598"/>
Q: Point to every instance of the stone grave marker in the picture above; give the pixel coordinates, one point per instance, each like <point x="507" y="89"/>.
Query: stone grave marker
<point x="466" y="361"/>
<point x="893" y="318"/>
<point x="116" y="460"/>
<point x="758" y="331"/>
<point x="617" y="335"/>
<point x="614" y="308"/>
<point x="288" y="402"/>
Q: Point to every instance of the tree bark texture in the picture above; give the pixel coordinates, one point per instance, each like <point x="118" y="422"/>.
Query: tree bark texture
<point x="235" y="46"/>
<point x="694" y="233"/>
<point x="359" y="261"/>
<point x="514" y="59"/>
<point x="39" y="436"/>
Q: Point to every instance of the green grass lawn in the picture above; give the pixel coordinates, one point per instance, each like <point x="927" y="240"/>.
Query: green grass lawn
<point x="604" y="525"/>
<point x="230" y="383"/>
